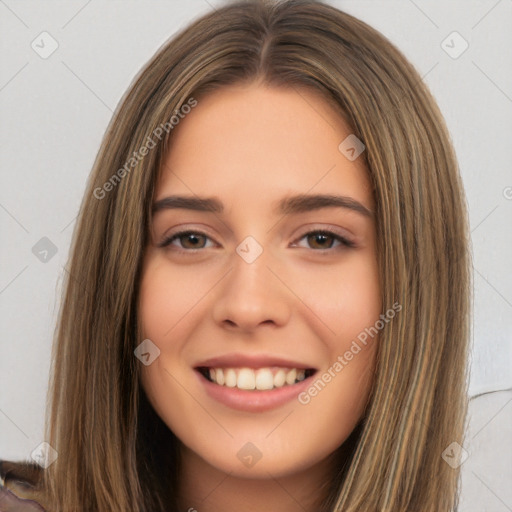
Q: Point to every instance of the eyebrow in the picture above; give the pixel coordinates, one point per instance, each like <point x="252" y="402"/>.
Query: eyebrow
<point x="294" y="204"/>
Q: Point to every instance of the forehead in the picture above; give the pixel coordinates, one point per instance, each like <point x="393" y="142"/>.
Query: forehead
<point x="253" y="142"/>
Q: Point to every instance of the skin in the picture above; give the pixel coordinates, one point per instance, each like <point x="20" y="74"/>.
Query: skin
<point x="250" y="146"/>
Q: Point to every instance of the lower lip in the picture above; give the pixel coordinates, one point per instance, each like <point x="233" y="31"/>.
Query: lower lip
<point x="253" y="401"/>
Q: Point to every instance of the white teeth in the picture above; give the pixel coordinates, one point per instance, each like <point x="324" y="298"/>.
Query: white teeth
<point x="264" y="379"/>
<point x="291" y="376"/>
<point x="219" y="377"/>
<point x="280" y="379"/>
<point x="246" y="379"/>
<point x="260" y="379"/>
<point x="230" y="377"/>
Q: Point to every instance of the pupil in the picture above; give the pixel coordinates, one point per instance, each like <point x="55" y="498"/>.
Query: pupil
<point x="320" y="237"/>
<point x="192" y="238"/>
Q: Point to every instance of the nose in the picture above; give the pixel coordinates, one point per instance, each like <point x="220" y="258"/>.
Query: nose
<point x="251" y="295"/>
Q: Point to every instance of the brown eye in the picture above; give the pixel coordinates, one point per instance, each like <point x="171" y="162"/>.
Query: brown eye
<point x="326" y="239"/>
<point x="188" y="240"/>
<point x="320" y="240"/>
<point x="192" y="241"/>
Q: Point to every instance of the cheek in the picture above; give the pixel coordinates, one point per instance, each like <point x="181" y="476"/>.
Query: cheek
<point x="166" y="314"/>
<point x="349" y="304"/>
<point x="154" y="296"/>
<point x="346" y="299"/>
<point x="165" y="298"/>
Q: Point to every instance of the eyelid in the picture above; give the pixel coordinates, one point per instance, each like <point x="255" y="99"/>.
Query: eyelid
<point x="325" y="227"/>
<point x="345" y="240"/>
<point x="174" y="235"/>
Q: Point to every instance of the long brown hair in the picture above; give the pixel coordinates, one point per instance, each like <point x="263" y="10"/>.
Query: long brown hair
<point x="114" y="453"/>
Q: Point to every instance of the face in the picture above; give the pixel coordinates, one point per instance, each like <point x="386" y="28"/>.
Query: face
<point x="255" y="301"/>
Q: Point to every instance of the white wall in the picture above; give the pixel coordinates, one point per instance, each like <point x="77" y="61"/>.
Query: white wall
<point x="55" y="110"/>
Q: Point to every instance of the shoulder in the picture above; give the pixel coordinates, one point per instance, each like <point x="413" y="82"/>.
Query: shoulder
<point x="18" y="481"/>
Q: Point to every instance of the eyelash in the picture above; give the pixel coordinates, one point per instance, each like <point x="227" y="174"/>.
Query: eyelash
<point x="345" y="243"/>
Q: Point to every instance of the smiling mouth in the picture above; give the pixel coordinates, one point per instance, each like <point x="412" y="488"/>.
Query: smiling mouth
<point x="261" y="379"/>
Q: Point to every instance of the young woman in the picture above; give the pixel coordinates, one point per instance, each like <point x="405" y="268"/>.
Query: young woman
<point x="269" y="283"/>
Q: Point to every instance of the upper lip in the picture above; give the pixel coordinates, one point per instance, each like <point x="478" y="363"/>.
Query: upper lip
<point x="250" y="361"/>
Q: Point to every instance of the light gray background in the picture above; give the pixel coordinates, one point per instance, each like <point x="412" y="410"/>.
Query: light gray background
<point x="55" y="111"/>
